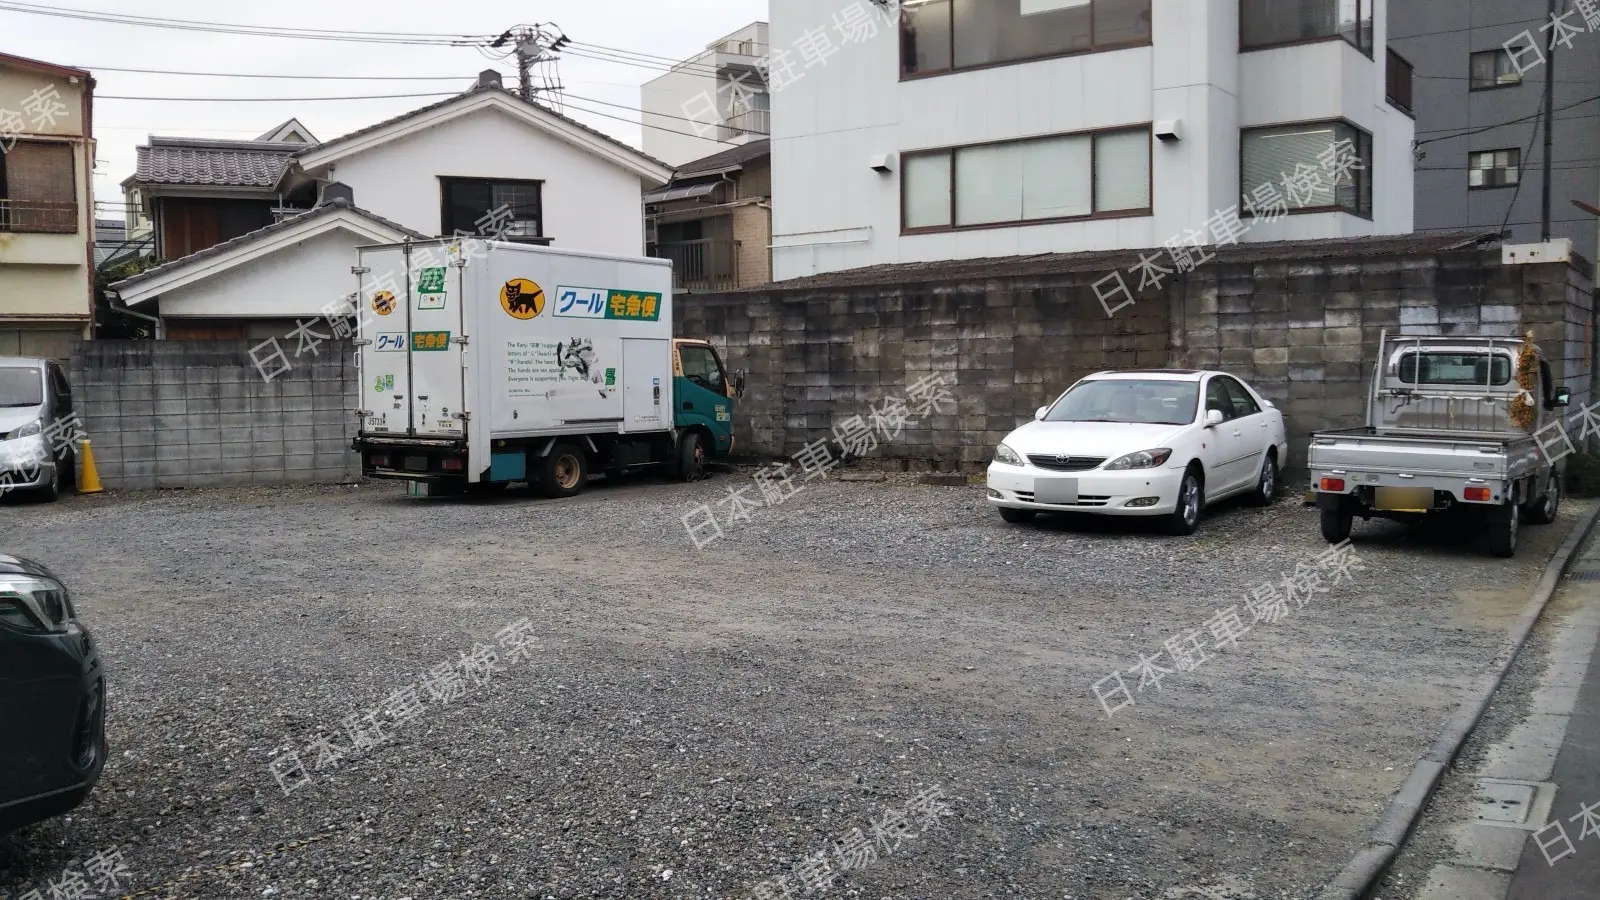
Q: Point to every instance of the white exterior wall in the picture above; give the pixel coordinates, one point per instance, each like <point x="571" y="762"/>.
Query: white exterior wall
<point x="831" y="211"/>
<point x="675" y="96"/>
<point x="293" y="282"/>
<point x="589" y="204"/>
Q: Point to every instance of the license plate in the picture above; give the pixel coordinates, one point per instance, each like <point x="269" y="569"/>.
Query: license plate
<point x="416" y="464"/>
<point x="1055" y="490"/>
<point x="1403" y="499"/>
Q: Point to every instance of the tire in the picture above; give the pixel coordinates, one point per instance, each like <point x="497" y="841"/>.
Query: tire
<point x="1017" y="516"/>
<point x="1191" y="500"/>
<point x="564" y="472"/>
<point x="1267" y="485"/>
<point x="1336" y="526"/>
<point x="1543" y="510"/>
<point x="51" y="492"/>
<point x="1503" y="535"/>
<point x="691" y="457"/>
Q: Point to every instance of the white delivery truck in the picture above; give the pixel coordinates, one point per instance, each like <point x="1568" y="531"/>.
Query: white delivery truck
<point x="484" y="363"/>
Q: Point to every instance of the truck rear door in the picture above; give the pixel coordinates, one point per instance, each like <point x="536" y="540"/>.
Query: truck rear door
<point x="437" y="346"/>
<point x="383" y="335"/>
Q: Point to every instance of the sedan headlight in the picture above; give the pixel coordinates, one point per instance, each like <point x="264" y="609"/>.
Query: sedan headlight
<point x="1144" y="459"/>
<point x="36" y="605"/>
<point x="1004" y="454"/>
<point x="30" y="429"/>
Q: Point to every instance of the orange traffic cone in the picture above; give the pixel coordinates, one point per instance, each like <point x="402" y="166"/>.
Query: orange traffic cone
<point x="89" y="477"/>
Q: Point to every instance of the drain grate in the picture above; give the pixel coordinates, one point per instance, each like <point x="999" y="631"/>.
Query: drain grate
<point x="1586" y="575"/>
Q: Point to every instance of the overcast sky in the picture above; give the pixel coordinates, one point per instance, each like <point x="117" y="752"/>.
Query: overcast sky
<point x="669" y="28"/>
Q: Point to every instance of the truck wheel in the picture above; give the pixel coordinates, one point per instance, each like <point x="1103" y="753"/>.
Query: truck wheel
<point x="565" y="471"/>
<point x="1191" y="499"/>
<point x="691" y="457"/>
<point x="1267" y="485"/>
<point x="1503" y="535"/>
<point x="1336" y="526"/>
<point x="1016" y="516"/>
<point x="1543" y="510"/>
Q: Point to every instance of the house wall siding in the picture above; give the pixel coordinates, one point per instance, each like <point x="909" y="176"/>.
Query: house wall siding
<point x="589" y="204"/>
<point x="296" y="281"/>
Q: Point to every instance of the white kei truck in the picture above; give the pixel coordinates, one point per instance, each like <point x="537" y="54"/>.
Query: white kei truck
<point x="1456" y="426"/>
<point x="484" y="363"/>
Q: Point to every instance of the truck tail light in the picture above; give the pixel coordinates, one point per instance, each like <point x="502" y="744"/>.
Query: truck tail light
<point x="1333" y="484"/>
<point x="1480" y="494"/>
<point x="452" y="465"/>
<point x="379" y="460"/>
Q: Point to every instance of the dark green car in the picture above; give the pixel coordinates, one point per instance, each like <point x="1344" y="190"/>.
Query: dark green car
<point x="52" y="698"/>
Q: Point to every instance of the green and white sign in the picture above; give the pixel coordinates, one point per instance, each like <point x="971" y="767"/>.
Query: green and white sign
<point x="430" y="289"/>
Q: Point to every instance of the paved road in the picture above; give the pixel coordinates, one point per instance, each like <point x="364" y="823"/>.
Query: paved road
<point x="1575" y="874"/>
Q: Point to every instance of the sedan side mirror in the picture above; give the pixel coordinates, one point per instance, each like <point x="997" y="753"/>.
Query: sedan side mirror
<point x="1562" y="399"/>
<point x="1039" y="414"/>
<point x="1214" y="417"/>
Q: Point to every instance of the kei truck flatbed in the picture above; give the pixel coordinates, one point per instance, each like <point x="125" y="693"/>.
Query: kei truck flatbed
<point x="484" y="363"/>
<point x="1452" y="426"/>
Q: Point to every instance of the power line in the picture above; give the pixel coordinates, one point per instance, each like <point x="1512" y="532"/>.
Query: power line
<point x="1539" y="114"/>
<point x="275" y="99"/>
<point x="665" y="115"/>
<point x="314" y="34"/>
<point x="595" y="112"/>
<point x="691" y="68"/>
<point x="289" y="77"/>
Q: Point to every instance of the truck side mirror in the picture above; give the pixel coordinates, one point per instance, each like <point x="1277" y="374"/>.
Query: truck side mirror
<point x="1562" y="399"/>
<point x="738" y="383"/>
<point x="1214" y="417"/>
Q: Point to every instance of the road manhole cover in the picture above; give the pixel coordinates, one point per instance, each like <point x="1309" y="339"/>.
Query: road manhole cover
<point x="1513" y="804"/>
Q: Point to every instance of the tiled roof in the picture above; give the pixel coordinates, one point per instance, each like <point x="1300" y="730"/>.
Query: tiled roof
<point x="260" y="233"/>
<point x="1049" y="264"/>
<point x="256" y="164"/>
<point x="473" y="92"/>
<point x="725" y="159"/>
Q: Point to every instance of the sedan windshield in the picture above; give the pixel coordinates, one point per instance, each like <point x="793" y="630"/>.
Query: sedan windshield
<point x="21" y="387"/>
<point x="1134" y="402"/>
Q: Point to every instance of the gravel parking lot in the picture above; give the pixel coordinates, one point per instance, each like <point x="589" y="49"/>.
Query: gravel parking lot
<point x="693" y="723"/>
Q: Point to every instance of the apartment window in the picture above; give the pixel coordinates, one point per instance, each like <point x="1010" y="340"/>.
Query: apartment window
<point x="1494" y="168"/>
<point x="946" y="35"/>
<point x="1315" y="167"/>
<point x="1397" y="81"/>
<point x="1033" y="180"/>
<point x="1492" y="69"/>
<point x="1270" y="23"/>
<point x="513" y="209"/>
<point x="38" y="192"/>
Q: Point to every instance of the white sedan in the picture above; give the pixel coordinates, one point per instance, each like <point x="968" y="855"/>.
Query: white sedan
<point x="1160" y="442"/>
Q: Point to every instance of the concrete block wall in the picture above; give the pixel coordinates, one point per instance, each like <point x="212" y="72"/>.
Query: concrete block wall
<point x="1005" y="347"/>
<point x="1303" y="331"/>
<point x="178" y="414"/>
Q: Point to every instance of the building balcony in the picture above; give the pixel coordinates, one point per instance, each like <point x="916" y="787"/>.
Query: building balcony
<point x="701" y="266"/>
<point x="39" y="216"/>
<point x="750" y="124"/>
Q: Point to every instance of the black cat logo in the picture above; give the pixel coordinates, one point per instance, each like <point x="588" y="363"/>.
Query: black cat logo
<point x="522" y="299"/>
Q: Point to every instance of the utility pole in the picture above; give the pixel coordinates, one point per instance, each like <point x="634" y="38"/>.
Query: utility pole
<point x="525" y="64"/>
<point x="1549" y="130"/>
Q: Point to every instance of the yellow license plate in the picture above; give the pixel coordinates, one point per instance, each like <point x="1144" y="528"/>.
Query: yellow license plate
<point x="1403" y="499"/>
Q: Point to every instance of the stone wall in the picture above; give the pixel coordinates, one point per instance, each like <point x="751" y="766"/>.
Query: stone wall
<point x="198" y="414"/>
<point x="1300" y="322"/>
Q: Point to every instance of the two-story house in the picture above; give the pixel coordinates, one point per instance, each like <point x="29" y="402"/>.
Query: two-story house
<point x="955" y="129"/>
<point x="714" y="220"/>
<point x="46" y="215"/>
<point x="436" y="171"/>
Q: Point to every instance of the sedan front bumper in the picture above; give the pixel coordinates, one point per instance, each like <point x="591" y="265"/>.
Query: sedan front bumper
<point x="1133" y="492"/>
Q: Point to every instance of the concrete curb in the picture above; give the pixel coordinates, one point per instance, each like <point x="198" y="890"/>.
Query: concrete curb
<point x="1361" y="873"/>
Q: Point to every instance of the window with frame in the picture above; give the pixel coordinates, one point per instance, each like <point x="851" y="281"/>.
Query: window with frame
<point x="1494" y="168"/>
<point x="702" y="367"/>
<point x="1243" y="404"/>
<point x="1397" y="81"/>
<point x="508" y="210"/>
<point x="38" y="188"/>
<point x="1316" y="166"/>
<point x="938" y="36"/>
<point x="1074" y="176"/>
<point x="1490" y="69"/>
<point x="1271" y="23"/>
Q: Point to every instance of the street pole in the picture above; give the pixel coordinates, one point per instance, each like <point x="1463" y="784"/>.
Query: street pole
<point x="1549" y="131"/>
<point x="525" y="77"/>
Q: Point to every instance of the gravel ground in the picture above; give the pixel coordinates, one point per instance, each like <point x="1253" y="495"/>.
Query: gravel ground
<point x="694" y="722"/>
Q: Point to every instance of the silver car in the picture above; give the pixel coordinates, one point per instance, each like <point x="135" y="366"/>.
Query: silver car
<point x="37" y="425"/>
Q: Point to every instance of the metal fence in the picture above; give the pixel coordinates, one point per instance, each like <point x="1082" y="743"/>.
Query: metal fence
<point x="47" y="216"/>
<point x="703" y="265"/>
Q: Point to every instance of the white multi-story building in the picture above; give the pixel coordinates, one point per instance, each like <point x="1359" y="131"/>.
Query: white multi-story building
<point x="970" y="128"/>
<point x="710" y="102"/>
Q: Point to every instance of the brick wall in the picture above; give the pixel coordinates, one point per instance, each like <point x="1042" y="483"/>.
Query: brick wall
<point x="1299" y="322"/>
<point x="199" y="414"/>
<point x="752" y="228"/>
